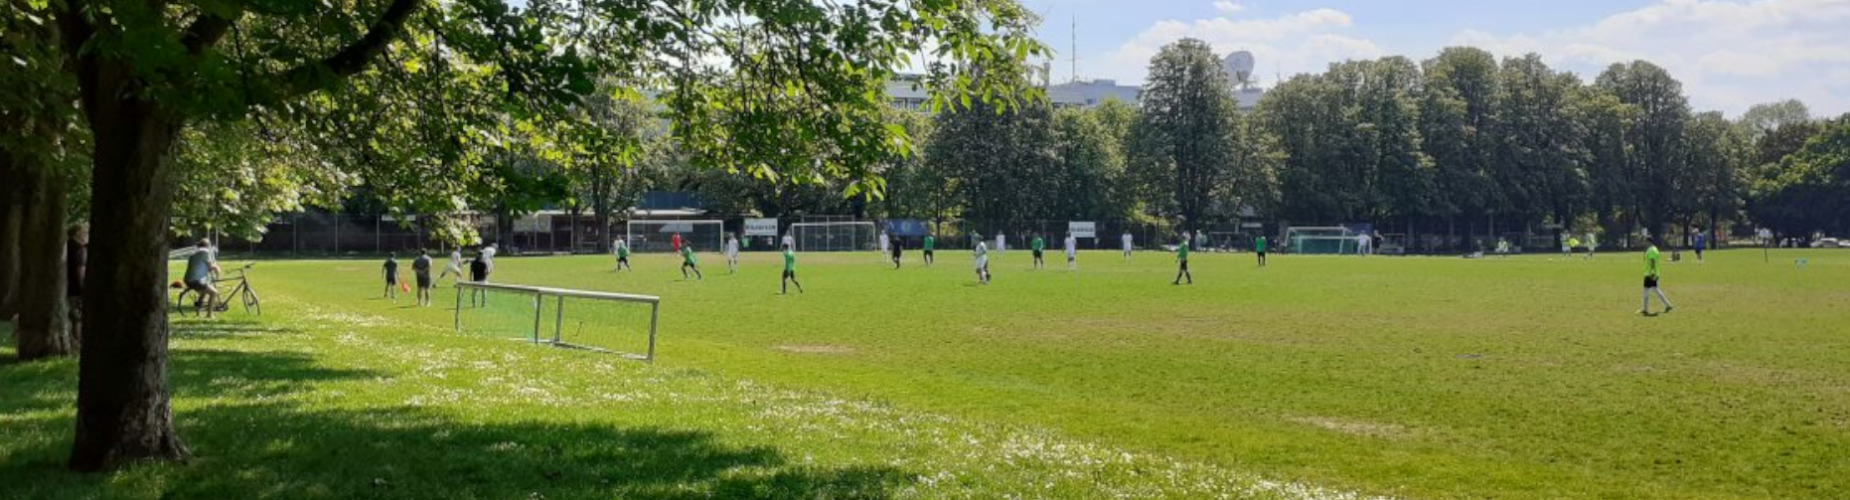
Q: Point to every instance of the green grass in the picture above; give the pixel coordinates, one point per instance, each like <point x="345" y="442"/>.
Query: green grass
<point x="1521" y="378"/>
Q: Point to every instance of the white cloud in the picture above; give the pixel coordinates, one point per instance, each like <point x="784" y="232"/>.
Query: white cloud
<point x="1299" y="42"/>
<point x="1729" y="54"/>
<point x="1228" y="7"/>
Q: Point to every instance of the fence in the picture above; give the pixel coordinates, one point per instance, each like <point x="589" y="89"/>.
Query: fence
<point x="323" y="233"/>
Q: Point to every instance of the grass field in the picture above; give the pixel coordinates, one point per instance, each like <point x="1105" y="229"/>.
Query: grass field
<point x="1520" y="378"/>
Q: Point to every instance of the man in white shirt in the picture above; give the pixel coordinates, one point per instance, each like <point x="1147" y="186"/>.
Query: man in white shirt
<point x="1072" y="251"/>
<point x="1127" y="244"/>
<point x="982" y="262"/>
<point x="886" y="243"/>
<point x="1361" y="245"/>
<point x="454" y="266"/>
<point x="1002" y="242"/>
<point x="732" y="253"/>
<point x="790" y="240"/>
<point x="488" y="257"/>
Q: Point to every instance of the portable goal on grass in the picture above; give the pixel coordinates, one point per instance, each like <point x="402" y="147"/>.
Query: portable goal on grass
<point x="1333" y="240"/>
<point x="835" y="236"/>
<point x="647" y="236"/>
<point x="598" y="321"/>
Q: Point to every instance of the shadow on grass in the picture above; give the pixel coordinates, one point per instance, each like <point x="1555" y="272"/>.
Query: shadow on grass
<point x="252" y="438"/>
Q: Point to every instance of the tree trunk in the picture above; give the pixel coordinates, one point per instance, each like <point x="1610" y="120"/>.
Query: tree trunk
<point x="43" y="327"/>
<point x="11" y="211"/>
<point x="122" y="402"/>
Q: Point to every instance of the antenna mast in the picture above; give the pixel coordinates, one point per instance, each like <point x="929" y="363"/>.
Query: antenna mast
<point x="1074" y="52"/>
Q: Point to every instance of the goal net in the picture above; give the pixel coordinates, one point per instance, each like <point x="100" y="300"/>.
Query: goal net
<point x="835" y="236"/>
<point x="658" y="235"/>
<point x="617" y="323"/>
<point x="1333" y="240"/>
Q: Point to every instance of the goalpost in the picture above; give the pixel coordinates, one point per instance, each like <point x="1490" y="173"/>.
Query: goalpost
<point x="645" y="235"/>
<point x="582" y="319"/>
<point x="1335" y="240"/>
<point x="835" y="236"/>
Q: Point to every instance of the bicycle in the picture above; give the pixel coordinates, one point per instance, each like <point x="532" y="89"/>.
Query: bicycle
<point x="242" y="291"/>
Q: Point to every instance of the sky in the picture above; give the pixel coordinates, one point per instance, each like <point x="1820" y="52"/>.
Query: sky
<point x="1729" y="55"/>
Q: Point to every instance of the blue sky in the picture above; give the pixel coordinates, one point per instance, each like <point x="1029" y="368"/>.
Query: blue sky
<point x="1729" y="54"/>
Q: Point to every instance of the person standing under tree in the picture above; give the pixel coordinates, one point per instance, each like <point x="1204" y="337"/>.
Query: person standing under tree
<point x="1072" y="251"/>
<point x="420" y="271"/>
<point x="1701" y="241"/>
<point x="929" y="243"/>
<point x="622" y="249"/>
<point x="1182" y="261"/>
<point x="1126" y="239"/>
<point x="732" y="253"/>
<point x="790" y="270"/>
<point x="391" y="276"/>
<point x="687" y="263"/>
<point x="478" y="272"/>
<point x="1259" y="249"/>
<point x="1651" y="277"/>
<point x="1036" y="246"/>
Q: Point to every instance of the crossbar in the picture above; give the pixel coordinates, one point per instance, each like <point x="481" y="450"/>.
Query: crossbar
<point x="540" y="292"/>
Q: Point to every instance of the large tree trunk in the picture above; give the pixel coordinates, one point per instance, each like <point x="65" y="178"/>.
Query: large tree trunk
<point x="122" y="401"/>
<point x="43" y="326"/>
<point x="11" y="211"/>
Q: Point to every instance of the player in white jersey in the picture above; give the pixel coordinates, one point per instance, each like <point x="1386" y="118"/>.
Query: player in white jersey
<point x="982" y="262"/>
<point x="1127" y="244"/>
<point x="1072" y="251"/>
<point x="454" y="266"/>
<point x="732" y="253"/>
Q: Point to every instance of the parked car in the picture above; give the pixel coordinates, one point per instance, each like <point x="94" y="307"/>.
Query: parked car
<point x="1830" y="243"/>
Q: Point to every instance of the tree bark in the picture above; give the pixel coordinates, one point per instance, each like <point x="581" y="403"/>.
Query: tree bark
<point x="123" y="413"/>
<point x="11" y="211"/>
<point x="43" y="327"/>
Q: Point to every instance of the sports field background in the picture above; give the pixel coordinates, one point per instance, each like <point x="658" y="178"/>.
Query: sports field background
<point x="1528" y="377"/>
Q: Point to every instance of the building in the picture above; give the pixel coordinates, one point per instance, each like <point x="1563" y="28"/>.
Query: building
<point x="1087" y="94"/>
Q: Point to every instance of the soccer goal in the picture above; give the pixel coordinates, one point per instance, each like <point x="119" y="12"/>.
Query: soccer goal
<point x="1334" y="240"/>
<point x="597" y="321"/>
<point x="658" y="235"/>
<point x="835" y="236"/>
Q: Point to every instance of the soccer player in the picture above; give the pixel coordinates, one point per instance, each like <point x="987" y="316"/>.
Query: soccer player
<point x="929" y="243"/>
<point x="455" y="264"/>
<point x="1072" y="251"/>
<point x="1259" y="248"/>
<point x="790" y="270"/>
<point x="1651" y="277"/>
<point x="1701" y="240"/>
<point x="1566" y="245"/>
<point x="790" y="239"/>
<point x="674" y="243"/>
<point x="478" y="272"/>
<point x="1592" y="244"/>
<point x="1182" y="261"/>
<point x="488" y="257"/>
<point x="201" y="267"/>
<point x="391" y="276"/>
<point x="732" y="253"/>
<point x="1002" y="242"/>
<point x="982" y="261"/>
<point x="1361" y="245"/>
<point x="1127" y="244"/>
<point x="420" y="269"/>
<point x="687" y="262"/>
<point x="886" y="242"/>
<point x="623" y="255"/>
<point x="1038" y="245"/>
<point x="897" y="246"/>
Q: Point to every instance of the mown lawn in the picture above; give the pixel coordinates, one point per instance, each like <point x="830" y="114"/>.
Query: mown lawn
<point x="1521" y="378"/>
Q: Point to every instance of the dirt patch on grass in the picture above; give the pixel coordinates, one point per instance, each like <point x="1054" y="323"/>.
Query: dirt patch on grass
<point x="816" y="349"/>
<point x="1357" y="427"/>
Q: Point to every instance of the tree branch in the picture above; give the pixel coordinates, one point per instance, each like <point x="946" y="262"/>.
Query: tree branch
<point x="206" y="31"/>
<point x="350" y="60"/>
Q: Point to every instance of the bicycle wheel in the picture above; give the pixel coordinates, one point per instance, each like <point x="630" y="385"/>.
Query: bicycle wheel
<point x="179" y="302"/>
